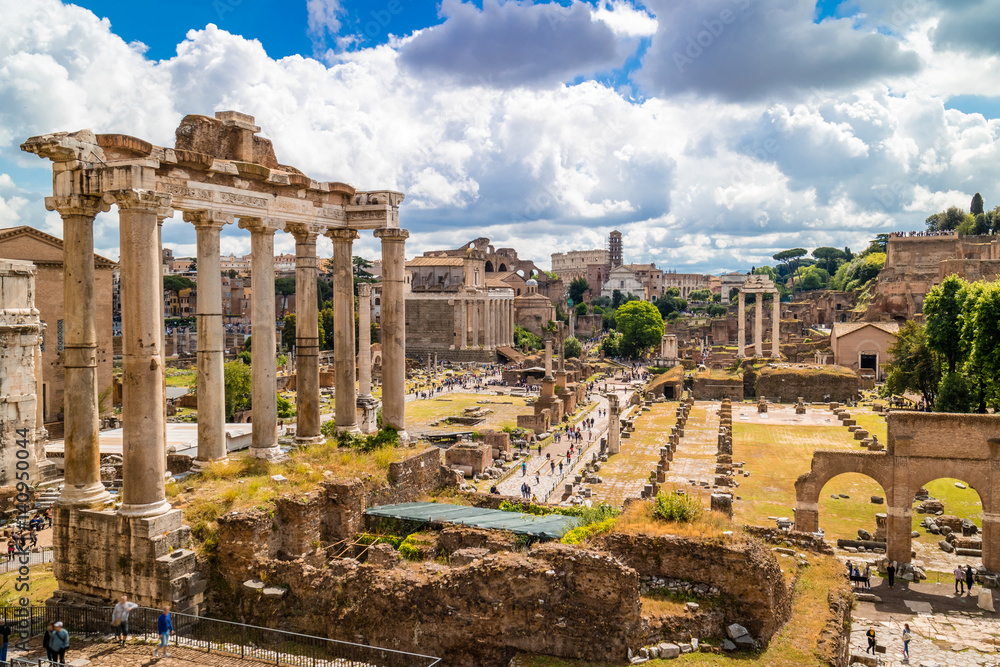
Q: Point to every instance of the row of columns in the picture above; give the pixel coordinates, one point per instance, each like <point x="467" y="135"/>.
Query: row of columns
<point x="491" y="320"/>
<point x="758" y="328"/>
<point x="141" y="214"/>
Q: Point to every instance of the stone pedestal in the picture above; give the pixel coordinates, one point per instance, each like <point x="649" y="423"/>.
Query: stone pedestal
<point x="100" y="556"/>
<point x="614" y="425"/>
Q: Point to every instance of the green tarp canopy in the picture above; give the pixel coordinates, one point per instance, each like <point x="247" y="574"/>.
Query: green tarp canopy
<point x="551" y="526"/>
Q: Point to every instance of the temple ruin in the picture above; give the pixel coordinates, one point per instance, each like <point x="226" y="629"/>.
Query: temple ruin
<point x="219" y="172"/>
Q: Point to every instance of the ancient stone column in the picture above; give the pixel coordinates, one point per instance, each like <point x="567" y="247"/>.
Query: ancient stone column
<point x="343" y="339"/>
<point x="898" y="527"/>
<point x="143" y="489"/>
<point x="758" y="326"/>
<point x="211" y="338"/>
<point x="263" y="340"/>
<point x="463" y="310"/>
<point x="393" y="328"/>
<point x="160" y="217"/>
<point x="614" y="425"/>
<point x="365" y="341"/>
<point x="548" y="359"/>
<point x="491" y="322"/>
<point x="307" y="420"/>
<point x="475" y="322"/>
<point x="741" y="340"/>
<point x="81" y="412"/>
<point x="775" y="325"/>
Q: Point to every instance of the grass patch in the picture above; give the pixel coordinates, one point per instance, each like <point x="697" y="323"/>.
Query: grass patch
<point x="639" y="519"/>
<point x="42" y="584"/>
<point x="244" y="483"/>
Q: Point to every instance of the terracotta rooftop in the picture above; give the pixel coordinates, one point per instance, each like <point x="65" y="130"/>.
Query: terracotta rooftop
<point x="436" y="261"/>
<point x="844" y="328"/>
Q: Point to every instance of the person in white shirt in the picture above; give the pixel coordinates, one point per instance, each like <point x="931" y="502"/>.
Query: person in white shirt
<point x="119" y="618"/>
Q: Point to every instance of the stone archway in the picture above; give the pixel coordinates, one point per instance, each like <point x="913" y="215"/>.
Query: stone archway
<point x="921" y="448"/>
<point x="489" y="266"/>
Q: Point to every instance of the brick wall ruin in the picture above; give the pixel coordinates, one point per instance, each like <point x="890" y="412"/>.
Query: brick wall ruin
<point x="785" y="385"/>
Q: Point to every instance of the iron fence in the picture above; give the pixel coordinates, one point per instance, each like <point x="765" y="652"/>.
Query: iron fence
<point x="237" y="640"/>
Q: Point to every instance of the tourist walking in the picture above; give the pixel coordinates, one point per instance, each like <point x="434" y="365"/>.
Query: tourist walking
<point x="871" y="640"/>
<point x="890" y="572"/>
<point x="868" y="575"/>
<point x="970" y="578"/>
<point x="50" y="655"/>
<point x="5" y="635"/>
<point x="164" y="628"/>
<point x="59" y="643"/>
<point x="119" y="618"/>
<point x="906" y="641"/>
<point x="959" y="580"/>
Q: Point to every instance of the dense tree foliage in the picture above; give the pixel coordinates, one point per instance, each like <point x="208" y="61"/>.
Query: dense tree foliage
<point x="237" y="387"/>
<point x="524" y="337"/>
<point x="580" y="309"/>
<point x="573" y="348"/>
<point x="977" y="204"/>
<point x="174" y="283"/>
<point x="641" y="327"/>
<point x="914" y="366"/>
<point x="700" y="295"/>
<point x="577" y="288"/>
<point x="858" y="272"/>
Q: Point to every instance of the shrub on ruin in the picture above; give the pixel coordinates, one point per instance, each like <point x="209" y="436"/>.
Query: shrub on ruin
<point x="677" y="507"/>
<point x="582" y="533"/>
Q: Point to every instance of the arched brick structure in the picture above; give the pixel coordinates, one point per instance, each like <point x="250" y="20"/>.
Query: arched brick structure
<point x="921" y="448"/>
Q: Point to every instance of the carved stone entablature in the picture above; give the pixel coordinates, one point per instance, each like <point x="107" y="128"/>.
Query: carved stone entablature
<point x="218" y="164"/>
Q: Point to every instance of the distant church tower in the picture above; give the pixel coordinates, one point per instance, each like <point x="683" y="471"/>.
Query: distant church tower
<point x="615" y="249"/>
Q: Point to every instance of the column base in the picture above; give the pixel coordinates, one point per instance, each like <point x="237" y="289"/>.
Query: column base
<point x="310" y="440"/>
<point x="272" y="454"/>
<point x="147" y="510"/>
<point x="404" y="437"/>
<point x="91" y="495"/>
<point x="199" y="465"/>
<point x="349" y="428"/>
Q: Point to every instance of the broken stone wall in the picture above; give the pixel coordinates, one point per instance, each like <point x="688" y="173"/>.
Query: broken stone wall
<point x="20" y="335"/>
<point x="744" y="571"/>
<point x="785" y="385"/>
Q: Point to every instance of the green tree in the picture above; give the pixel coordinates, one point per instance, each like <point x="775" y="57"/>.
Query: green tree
<point x="641" y="326"/>
<point x="788" y="257"/>
<point x="954" y="394"/>
<point x="611" y="344"/>
<point x="947" y="220"/>
<point x="914" y="366"/>
<point x="522" y="336"/>
<point x="326" y="324"/>
<point x="617" y="298"/>
<point x="977" y="204"/>
<point x="581" y="309"/>
<point x="285" y="408"/>
<point x="943" y="307"/>
<point x="577" y="288"/>
<point x="573" y="348"/>
<point x="830" y="257"/>
<point x="700" y="295"/>
<point x="855" y="274"/>
<point x="361" y="265"/>
<point x="716" y="310"/>
<point x="237" y="387"/>
<point x="288" y="332"/>
<point x="175" y="283"/>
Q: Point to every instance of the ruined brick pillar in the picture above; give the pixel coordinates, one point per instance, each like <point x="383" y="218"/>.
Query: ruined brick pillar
<point x="20" y="338"/>
<point x="991" y="541"/>
<point x="614" y="425"/>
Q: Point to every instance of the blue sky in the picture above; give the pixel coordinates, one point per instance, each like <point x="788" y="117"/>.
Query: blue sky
<point x="711" y="133"/>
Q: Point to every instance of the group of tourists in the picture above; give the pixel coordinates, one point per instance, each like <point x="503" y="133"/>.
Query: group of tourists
<point x="964" y="579"/>
<point x="873" y="643"/>
<point x="859" y="578"/>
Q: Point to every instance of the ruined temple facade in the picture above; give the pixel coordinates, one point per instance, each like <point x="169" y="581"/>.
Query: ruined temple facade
<point x="219" y="172"/>
<point x="456" y="310"/>
<point x="914" y="264"/>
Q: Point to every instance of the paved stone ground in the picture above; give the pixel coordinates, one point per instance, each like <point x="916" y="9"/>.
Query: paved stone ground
<point x="948" y="630"/>
<point x="511" y="486"/>
<point x="695" y="455"/>
<point x="627" y="472"/>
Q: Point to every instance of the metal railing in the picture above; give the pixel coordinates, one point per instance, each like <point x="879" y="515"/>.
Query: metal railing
<point x="236" y="640"/>
<point x="33" y="558"/>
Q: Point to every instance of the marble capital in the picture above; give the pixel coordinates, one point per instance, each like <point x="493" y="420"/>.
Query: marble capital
<point x="207" y="219"/>
<point x="304" y="232"/>
<point x="141" y="200"/>
<point x="262" y="225"/>
<point x="83" y="205"/>
<point x="392" y="234"/>
<point x="342" y="234"/>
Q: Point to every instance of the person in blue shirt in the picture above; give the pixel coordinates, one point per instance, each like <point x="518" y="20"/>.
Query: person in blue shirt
<point x="164" y="627"/>
<point x="58" y="643"/>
